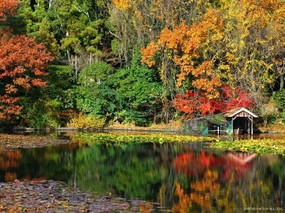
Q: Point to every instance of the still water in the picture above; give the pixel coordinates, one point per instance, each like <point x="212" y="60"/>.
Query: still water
<point x="175" y="176"/>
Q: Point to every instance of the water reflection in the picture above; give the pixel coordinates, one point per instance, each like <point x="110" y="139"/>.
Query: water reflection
<point x="230" y="165"/>
<point x="181" y="177"/>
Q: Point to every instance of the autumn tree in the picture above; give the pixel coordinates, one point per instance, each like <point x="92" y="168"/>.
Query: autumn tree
<point x="254" y="44"/>
<point x="184" y="43"/>
<point x="195" y="103"/>
<point x="7" y="7"/>
<point x="22" y="65"/>
<point x="191" y="49"/>
<point x="238" y="43"/>
<point x="135" y="23"/>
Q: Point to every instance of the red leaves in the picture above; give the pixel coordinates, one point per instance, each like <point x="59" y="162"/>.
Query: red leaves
<point x="37" y="82"/>
<point x="7" y="7"/>
<point x="22" y="65"/>
<point x="195" y="103"/>
<point x="187" y="102"/>
<point x="21" y="52"/>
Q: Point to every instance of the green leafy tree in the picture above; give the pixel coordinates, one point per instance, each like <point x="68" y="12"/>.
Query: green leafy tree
<point x="139" y="91"/>
<point x="73" y="30"/>
<point x="279" y="99"/>
<point x="94" y="92"/>
<point x="54" y="105"/>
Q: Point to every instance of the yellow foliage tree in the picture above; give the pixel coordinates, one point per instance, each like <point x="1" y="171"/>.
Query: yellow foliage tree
<point x="239" y="43"/>
<point x="254" y="43"/>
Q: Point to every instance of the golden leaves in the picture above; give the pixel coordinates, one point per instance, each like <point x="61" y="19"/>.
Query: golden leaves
<point x="148" y="54"/>
<point x="122" y="4"/>
<point x="240" y="43"/>
<point x="10" y="89"/>
<point x="184" y="45"/>
<point x="37" y="82"/>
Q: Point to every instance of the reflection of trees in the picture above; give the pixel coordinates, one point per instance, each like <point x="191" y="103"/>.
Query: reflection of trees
<point x="277" y="170"/>
<point x="40" y="163"/>
<point x="137" y="177"/>
<point x="90" y="171"/>
<point x="8" y="161"/>
<point x="234" y="181"/>
<point x="46" y="163"/>
<point x="203" y="191"/>
<point x="196" y="163"/>
<point x="198" y="180"/>
<point x="129" y="171"/>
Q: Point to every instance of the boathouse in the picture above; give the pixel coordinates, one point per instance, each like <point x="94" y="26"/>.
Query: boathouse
<point x="236" y="121"/>
<point x="240" y="121"/>
<point x="205" y="125"/>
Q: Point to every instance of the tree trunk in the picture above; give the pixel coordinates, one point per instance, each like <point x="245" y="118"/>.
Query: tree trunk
<point x="281" y="82"/>
<point x="49" y="3"/>
<point x="281" y="71"/>
<point x="76" y="67"/>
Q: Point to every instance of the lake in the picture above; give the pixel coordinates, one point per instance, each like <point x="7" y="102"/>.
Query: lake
<point x="171" y="176"/>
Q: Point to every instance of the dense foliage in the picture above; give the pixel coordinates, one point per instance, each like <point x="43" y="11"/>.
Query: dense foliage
<point x="22" y="65"/>
<point x="195" y="58"/>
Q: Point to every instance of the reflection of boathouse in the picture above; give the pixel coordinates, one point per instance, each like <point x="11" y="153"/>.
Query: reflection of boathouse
<point x="237" y="164"/>
<point x="236" y="121"/>
<point x="241" y="157"/>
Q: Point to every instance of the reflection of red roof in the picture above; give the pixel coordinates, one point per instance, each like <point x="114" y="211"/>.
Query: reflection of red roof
<point x="241" y="158"/>
<point x="237" y="165"/>
<point x="233" y="165"/>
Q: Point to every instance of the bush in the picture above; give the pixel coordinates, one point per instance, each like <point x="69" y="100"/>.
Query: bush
<point x="269" y="112"/>
<point x="279" y="99"/>
<point x="282" y="116"/>
<point x="44" y="114"/>
<point x="86" y="121"/>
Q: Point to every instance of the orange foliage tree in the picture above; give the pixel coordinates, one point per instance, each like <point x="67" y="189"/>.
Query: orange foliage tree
<point x="22" y="65"/>
<point x="7" y="7"/>
<point x="187" y="45"/>
<point x="239" y="43"/>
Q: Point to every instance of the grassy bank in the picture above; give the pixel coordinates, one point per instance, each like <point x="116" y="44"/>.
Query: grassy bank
<point x="137" y="137"/>
<point x="260" y="146"/>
